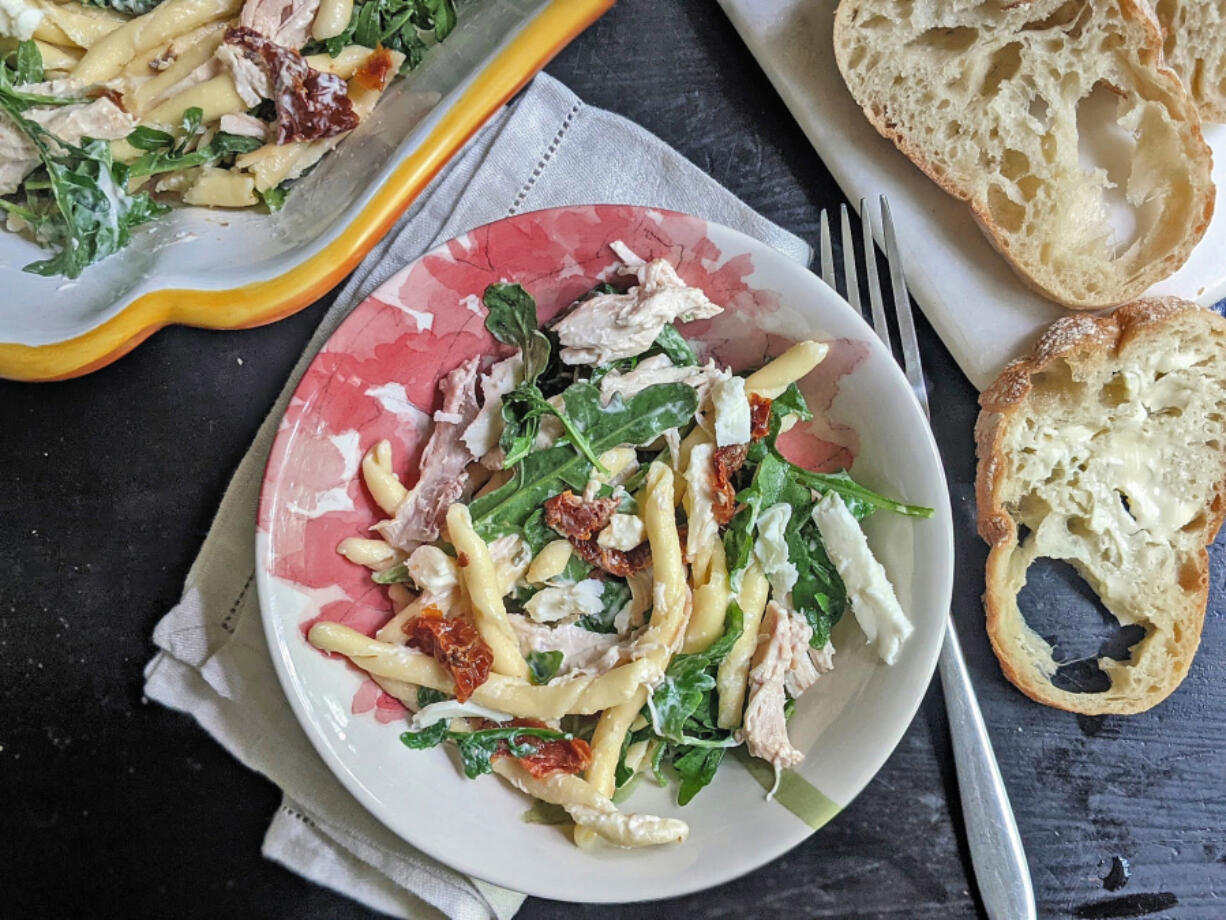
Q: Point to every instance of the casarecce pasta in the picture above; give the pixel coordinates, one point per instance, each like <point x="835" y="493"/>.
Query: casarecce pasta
<point x="627" y="595"/>
<point x="222" y="103"/>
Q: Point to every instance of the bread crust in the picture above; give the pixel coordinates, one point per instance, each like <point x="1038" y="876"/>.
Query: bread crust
<point x="1179" y="101"/>
<point x="1082" y="339"/>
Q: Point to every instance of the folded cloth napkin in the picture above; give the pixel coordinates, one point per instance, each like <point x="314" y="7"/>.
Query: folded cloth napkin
<point x="546" y="149"/>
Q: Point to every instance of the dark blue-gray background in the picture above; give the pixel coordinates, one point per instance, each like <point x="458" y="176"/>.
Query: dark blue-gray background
<point x="112" y="804"/>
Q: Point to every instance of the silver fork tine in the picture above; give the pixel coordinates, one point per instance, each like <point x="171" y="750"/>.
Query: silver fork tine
<point x="827" y="254"/>
<point x="874" y="283"/>
<point x="850" y="278"/>
<point x="902" y="309"/>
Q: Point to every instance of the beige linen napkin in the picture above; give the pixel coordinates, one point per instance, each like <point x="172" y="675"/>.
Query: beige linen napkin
<point x="546" y="149"/>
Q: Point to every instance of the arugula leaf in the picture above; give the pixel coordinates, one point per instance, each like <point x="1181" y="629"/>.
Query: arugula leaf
<point x="688" y="683"/>
<point x="791" y="402"/>
<point x="29" y="61"/>
<point x="682" y="713"/>
<point x="577" y="569"/>
<point x="429" y="737"/>
<point x="819" y="594"/>
<point x="696" y="768"/>
<point x="536" y="533"/>
<point x="27" y="67"/>
<point x="131" y="7"/>
<point x="614" y="596"/>
<point x="163" y="154"/>
<point x="190" y="123"/>
<point x="522" y="409"/>
<point x="394" y="24"/>
<point x="428" y="695"/>
<point x="511" y="319"/>
<point x="396" y="575"/>
<point x="673" y="343"/>
<point x="146" y="138"/>
<point x="88" y="213"/>
<point x="442" y="14"/>
<point x="542" y="666"/>
<point x="543" y="474"/>
<point x="734" y="625"/>
<point x="273" y="198"/>
<point x="861" y="501"/>
<point x="477" y="748"/>
<point x="769" y="479"/>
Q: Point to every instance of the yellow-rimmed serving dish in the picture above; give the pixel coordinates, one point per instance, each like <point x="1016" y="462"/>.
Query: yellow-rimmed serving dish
<point x="237" y="269"/>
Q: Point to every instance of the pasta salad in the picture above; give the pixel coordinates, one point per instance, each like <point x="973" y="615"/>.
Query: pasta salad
<point x="111" y="108"/>
<point x="607" y="569"/>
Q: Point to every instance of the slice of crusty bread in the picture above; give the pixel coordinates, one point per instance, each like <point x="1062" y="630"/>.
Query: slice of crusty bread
<point x="1195" y="48"/>
<point x="997" y="102"/>
<point x="1108" y="446"/>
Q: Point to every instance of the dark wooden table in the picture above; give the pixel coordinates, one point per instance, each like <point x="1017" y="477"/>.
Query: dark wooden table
<point x="110" y="804"/>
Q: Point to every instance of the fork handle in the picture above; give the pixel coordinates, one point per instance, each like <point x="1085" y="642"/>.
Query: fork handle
<point x="1001" y="873"/>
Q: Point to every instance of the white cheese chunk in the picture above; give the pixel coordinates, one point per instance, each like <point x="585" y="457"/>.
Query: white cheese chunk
<point x="771" y="549"/>
<point x="19" y="19"/>
<point x="454" y="709"/>
<point x="732" y="421"/>
<point x="624" y="532"/>
<point x="549" y="605"/>
<point x="869" y="591"/>
<point x="432" y="570"/>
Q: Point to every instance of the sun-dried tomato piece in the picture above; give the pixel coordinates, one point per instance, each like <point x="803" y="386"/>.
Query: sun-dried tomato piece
<point x="557" y="756"/>
<point x="310" y="104"/>
<point x="614" y="561"/>
<point x="571" y="516"/>
<point x="724" y="462"/>
<point x="105" y="92"/>
<point x="375" y="72"/>
<point x="759" y="416"/>
<point x="456" y="645"/>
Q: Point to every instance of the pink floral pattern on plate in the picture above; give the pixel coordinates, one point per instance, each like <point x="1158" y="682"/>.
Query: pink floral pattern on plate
<point x="377" y="379"/>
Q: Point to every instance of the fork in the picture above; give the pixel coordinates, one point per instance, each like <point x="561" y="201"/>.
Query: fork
<point x="1001" y="872"/>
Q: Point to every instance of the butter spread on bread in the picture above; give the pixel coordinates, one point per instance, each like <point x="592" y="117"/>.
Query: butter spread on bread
<point x="1104" y="448"/>
<point x="1007" y="105"/>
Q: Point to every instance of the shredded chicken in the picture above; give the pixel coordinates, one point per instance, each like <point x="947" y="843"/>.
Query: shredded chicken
<point x="782" y="655"/>
<point x="609" y="327"/>
<point x="286" y="22"/>
<point x="483" y="434"/>
<point x="659" y="369"/>
<point x="100" y="119"/>
<point x="250" y="81"/>
<point x="443" y="462"/>
<point x="244" y="125"/>
<point x="583" y="651"/>
<point x="311" y="105"/>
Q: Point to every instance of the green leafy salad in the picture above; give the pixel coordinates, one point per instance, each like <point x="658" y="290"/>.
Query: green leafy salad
<point x="608" y="568"/>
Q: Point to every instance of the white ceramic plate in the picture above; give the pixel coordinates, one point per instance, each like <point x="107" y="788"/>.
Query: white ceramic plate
<point x="985" y="315"/>
<point x="376" y="379"/>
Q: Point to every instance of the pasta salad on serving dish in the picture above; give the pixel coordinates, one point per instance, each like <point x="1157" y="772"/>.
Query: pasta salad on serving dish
<point x="112" y="107"/>
<point x="607" y="569"/>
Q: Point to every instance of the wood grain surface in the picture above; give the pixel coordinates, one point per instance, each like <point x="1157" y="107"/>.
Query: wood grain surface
<point x="113" y="805"/>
